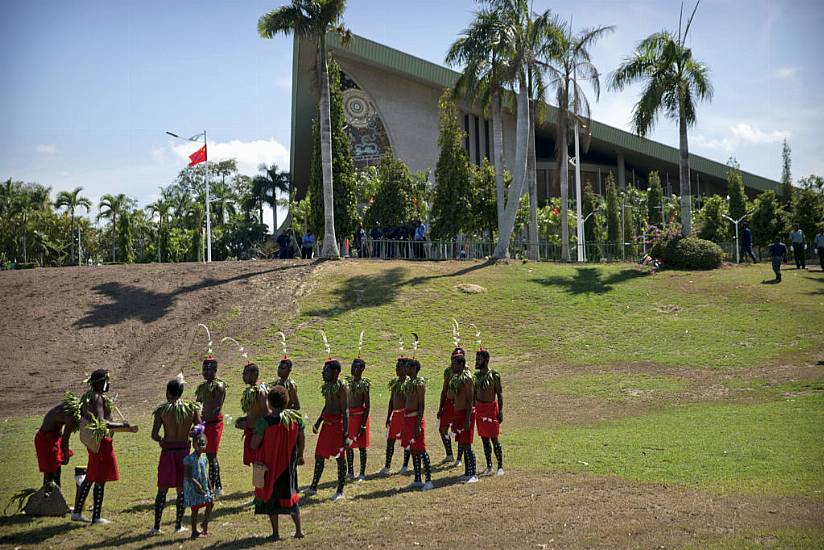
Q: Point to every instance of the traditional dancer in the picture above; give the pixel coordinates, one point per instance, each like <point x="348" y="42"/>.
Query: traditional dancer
<point x="284" y="377"/>
<point x="96" y="410"/>
<point x="211" y="394"/>
<point x="335" y="418"/>
<point x="176" y="417"/>
<point x="254" y="405"/>
<point x="279" y="441"/>
<point x="394" y="418"/>
<point x="489" y="408"/>
<point x="197" y="489"/>
<point x="463" y="422"/>
<point x="414" y="427"/>
<point x="359" y="407"/>
<point x="51" y="443"/>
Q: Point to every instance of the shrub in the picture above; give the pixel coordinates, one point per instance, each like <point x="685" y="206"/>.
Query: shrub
<point x="686" y="252"/>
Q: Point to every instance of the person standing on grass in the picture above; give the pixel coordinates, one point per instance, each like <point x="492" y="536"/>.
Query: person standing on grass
<point x="307" y="246"/>
<point x="211" y="394"/>
<point x="51" y="443"/>
<point x="797" y="241"/>
<point x="96" y="408"/>
<point x="285" y="380"/>
<point x="254" y="405"/>
<point x="746" y="243"/>
<point x="197" y="490"/>
<point x="462" y="385"/>
<point x="819" y="246"/>
<point x="446" y="409"/>
<point x="778" y="253"/>
<point x="279" y="442"/>
<point x="413" y="437"/>
<point x="489" y="409"/>
<point x="332" y="439"/>
<point x="358" y="418"/>
<point x="176" y="417"/>
<point x="394" y="417"/>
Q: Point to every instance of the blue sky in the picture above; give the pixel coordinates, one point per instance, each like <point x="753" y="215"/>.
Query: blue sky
<point x="90" y="87"/>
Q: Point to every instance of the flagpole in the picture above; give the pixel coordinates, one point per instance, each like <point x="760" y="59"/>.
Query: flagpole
<point x="208" y="207"/>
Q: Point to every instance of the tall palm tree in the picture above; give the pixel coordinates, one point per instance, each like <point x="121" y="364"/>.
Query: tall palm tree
<point x="567" y="61"/>
<point x="33" y="201"/>
<point x="267" y="185"/>
<point x="673" y="82"/>
<point x="112" y="208"/>
<point x="223" y="202"/>
<point x="161" y="208"/>
<point x="312" y="19"/>
<point x="71" y="200"/>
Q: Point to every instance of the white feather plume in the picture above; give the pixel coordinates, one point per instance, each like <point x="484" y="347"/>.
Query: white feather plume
<point x="239" y="347"/>
<point x="208" y="335"/>
<point x="360" y="343"/>
<point x="456" y="332"/>
<point x="400" y="343"/>
<point x="415" y="342"/>
<point x="477" y="333"/>
<point x="282" y="342"/>
<point x="326" y="343"/>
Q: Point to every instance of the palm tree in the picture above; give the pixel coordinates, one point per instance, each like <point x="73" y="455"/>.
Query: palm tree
<point x="113" y="207"/>
<point x="267" y="185"/>
<point x="72" y="200"/>
<point x="673" y="82"/>
<point x="567" y="61"/>
<point x="161" y="207"/>
<point x="223" y="203"/>
<point x="312" y="19"/>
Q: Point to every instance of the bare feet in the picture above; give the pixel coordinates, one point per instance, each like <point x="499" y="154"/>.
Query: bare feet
<point x="275" y="537"/>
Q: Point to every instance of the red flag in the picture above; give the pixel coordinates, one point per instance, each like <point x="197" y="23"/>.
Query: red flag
<point x="198" y="156"/>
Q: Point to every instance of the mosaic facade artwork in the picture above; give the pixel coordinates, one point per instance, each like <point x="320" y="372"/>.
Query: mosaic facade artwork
<point x="367" y="134"/>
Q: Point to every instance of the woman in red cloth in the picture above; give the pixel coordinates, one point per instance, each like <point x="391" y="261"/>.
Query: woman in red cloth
<point x="253" y="403"/>
<point x="102" y="468"/>
<point x="278" y="441"/>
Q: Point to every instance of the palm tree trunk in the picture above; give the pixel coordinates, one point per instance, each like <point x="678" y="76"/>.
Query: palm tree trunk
<point x="520" y="176"/>
<point x="260" y="219"/>
<point x="274" y="211"/>
<point x="114" y="238"/>
<point x="533" y="250"/>
<point x="563" y="165"/>
<point x="498" y="144"/>
<point x="159" y="238"/>
<point x="684" y="175"/>
<point x="72" y="235"/>
<point x="330" y="244"/>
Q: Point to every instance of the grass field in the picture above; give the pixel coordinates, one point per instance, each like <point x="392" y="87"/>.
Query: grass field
<point x="682" y="409"/>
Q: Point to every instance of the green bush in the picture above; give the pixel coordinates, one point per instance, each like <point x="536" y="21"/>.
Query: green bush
<point x="688" y="253"/>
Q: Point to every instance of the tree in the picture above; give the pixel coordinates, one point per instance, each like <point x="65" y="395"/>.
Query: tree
<point x="735" y="190"/>
<point x="655" y="197"/>
<point x="786" y="175"/>
<point x="71" y="200"/>
<point x="312" y="19"/>
<point x="125" y="237"/>
<point x="812" y="182"/>
<point x="808" y="210"/>
<point x="613" y="213"/>
<point x="343" y="169"/>
<point x="392" y="204"/>
<point x="589" y="205"/>
<point x="673" y="81"/>
<point x="451" y="204"/>
<point x="162" y="208"/>
<point x="266" y="187"/>
<point x="628" y="210"/>
<point x="767" y="219"/>
<point x="712" y="225"/>
<point x="483" y="203"/>
<point x="112" y="207"/>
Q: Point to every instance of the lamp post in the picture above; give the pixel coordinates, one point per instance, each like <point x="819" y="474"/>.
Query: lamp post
<point x="196" y="138"/>
<point x="583" y="237"/>
<point x="737" y="245"/>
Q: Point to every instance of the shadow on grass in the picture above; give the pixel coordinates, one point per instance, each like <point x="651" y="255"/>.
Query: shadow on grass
<point x="589" y="280"/>
<point x="133" y="302"/>
<point x="37" y="535"/>
<point x="376" y="290"/>
<point x="818" y="280"/>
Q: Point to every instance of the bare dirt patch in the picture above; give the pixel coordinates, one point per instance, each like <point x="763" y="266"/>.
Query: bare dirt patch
<point x="138" y="321"/>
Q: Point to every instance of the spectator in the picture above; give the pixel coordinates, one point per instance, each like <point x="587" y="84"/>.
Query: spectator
<point x="819" y="246"/>
<point x="360" y="235"/>
<point x="778" y="253"/>
<point x="798" y="244"/>
<point x="284" y="242"/>
<point x="308" y="244"/>
<point x="376" y="235"/>
<point x="420" y="235"/>
<point x="746" y="243"/>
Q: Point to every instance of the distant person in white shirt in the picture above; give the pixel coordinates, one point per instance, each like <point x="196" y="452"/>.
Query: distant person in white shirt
<point x="819" y="246"/>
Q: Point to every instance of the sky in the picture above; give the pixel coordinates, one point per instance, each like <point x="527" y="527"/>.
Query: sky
<point x="90" y="87"/>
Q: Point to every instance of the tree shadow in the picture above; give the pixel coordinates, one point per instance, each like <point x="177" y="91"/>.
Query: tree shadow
<point x="818" y="280"/>
<point x="589" y="280"/>
<point x="37" y="535"/>
<point x="129" y="302"/>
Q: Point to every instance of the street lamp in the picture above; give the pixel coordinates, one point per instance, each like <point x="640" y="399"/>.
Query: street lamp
<point x="583" y="236"/>
<point x="737" y="245"/>
<point x="196" y="138"/>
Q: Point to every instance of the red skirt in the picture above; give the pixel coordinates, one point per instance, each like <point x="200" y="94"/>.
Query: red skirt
<point x="213" y="431"/>
<point x="359" y="441"/>
<point x="486" y="417"/>
<point x="330" y="439"/>
<point x="170" y="469"/>
<point x="249" y="454"/>
<point x="102" y="464"/>
<point x="447" y="413"/>
<point x="462" y="436"/>
<point x="395" y="425"/>
<point x="48" y="446"/>
<point x="408" y="440"/>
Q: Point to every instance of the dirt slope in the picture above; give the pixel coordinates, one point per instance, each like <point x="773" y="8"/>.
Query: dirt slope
<point x="58" y="325"/>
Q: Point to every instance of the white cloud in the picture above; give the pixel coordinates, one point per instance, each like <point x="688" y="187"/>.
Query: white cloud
<point x="49" y="149"/>
<point x="735" y="135"/>
<point x="249" y="154"/>
<point x="749" y="134"/>
<point x="786" y="72"/>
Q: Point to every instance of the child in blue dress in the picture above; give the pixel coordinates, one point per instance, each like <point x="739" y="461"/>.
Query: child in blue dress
<point x="197" y="493"/>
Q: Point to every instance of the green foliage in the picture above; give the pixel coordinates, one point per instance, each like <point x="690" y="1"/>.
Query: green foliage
<point x="453" y="192"/>
<point x="686" y="252"/>
<point x="302" y="213"/>
<point x="393" y="203"/>
<point x="786" y="175"/>
<point x="712" y="225"/>
<point x="735" y="190"/>
<point x="630" y="220"/>
<point x="613" y="213"/>
<point x="655" y="197"/>
<point x="808" y="210"/>
<point x="617" y="387"/>
<point x="484" y="202"/>
<point x="589" y="204"/>
<point x="768" y="220"/>
<point x="343" y="169"/>
<point x="813" y="182"/>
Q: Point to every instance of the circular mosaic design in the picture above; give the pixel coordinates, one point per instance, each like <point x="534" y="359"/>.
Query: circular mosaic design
<point x="357" y="108"/>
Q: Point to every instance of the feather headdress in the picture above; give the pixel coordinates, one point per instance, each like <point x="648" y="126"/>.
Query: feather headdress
<point x="456" y="333"/>
<point x="240" y="348"/>
<point x="477" y="335"/>
<point x="415" y="343"/>
<point x="326" y="345"/>
<point x="400" y="346"/>
<point x="208" y="337"/>
<point x="360" y="343"/>
<point x="283" y="344"/>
